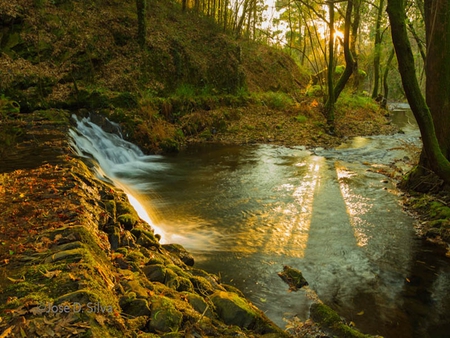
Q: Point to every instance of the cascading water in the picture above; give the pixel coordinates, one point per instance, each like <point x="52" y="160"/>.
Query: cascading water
<point x="245" y="211"/>
<point x="117" y="161"/>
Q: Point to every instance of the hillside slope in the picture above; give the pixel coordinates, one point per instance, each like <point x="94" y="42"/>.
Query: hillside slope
<point x="73" y="54"/>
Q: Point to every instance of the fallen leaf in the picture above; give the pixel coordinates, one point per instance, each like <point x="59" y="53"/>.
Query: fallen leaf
<point x="38" y="310"/>
<point x="360" y="313"/>
<point x="7" y="332"/>
<point x="19" y="280"/>
<point x="51" y="274"/>
<point x="73" y="278"/>
<point x="100" y="319"/>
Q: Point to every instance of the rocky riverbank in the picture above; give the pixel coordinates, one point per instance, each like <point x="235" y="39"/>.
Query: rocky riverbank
<point x="76" y="260"/>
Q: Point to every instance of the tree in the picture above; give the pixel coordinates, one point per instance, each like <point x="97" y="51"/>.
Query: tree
<point x="335" y="91"/>
<point x="377" y="49"/>
<point x="433" y="118"/>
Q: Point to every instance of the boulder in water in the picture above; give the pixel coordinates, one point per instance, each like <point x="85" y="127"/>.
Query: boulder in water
<point x="293" y="277"/>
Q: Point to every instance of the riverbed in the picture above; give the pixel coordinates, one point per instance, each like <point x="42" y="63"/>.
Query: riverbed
<point x="246" y="211"/>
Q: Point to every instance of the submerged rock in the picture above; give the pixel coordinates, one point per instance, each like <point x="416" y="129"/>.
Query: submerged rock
<point x="293" y="277"/>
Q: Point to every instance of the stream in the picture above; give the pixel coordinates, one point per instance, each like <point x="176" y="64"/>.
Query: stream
<point x="246" y="211"/>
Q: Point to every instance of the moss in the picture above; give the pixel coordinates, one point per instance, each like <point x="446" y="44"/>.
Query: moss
<point x="300" y="118"/>
<point x="330" y="320"/>
<point x="164" y="316"/>
<point x="128" y="220"/>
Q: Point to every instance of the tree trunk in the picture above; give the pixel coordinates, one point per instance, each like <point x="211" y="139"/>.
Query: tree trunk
<point x="386" y="74"/>
<point x="349" y="61"/>
<point x="436" y="161"/>
<point x="377" y="50"/>
<point x="353" y="38"/>
<point x="437" y="68"/>
<point x="329" y="105"/>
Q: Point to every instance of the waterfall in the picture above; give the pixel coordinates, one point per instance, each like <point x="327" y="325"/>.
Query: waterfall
<point x="116" y="161"/>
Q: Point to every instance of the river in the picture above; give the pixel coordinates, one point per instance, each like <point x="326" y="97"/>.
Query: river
<point x="245" y="211"/>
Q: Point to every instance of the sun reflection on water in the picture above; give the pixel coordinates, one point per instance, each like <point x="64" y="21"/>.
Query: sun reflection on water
<point x="143" y="214"/>
<point x="356" y="205"/>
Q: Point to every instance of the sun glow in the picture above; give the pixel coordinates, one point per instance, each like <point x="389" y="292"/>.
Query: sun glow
<point x="143" y="214"/>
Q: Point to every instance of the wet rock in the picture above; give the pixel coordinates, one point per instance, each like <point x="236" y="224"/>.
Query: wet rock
<point x="155" y="273"/>
<point x="127" y="239"/>
<point x="145" y="238"/>
<point x="177" y="270"/>
<point x="202" y="285"/>
<point x="233" y="310"/>
<point x="137" y="307"/>
<point x="199" y="304"/>
<point x="184" y="284"/>
<point x="293" y="277"/>
<point x="113" y="236"/>
<point x="181" y="253"/>
<point x="330" y="321"/>
<point x="136" y="287"/>
<point x="137" y="323"/>
<point x="128" y="221"/>
<point x="164" y="316"/>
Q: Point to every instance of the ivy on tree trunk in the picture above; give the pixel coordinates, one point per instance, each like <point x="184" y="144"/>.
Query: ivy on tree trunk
<point x="432" y="152"/>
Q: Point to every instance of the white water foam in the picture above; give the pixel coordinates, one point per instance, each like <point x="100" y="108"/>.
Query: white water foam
<point x="117" y="161"/>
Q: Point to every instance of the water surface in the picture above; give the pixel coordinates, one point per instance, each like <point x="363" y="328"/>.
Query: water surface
<point x="245" y="211"/>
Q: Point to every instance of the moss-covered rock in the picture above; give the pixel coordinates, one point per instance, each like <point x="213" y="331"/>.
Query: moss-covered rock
<point x="330" y="321"/>
<point x="155" y="272"/>
<point x="199" y="304"/>
<point x="293" y="277"/>
<point x="137" y="307"/>
<point x="235" y="310"/>
<point x="128" y="221"/>
<point x="164" y="316"/>
<point x="180" y="252"/>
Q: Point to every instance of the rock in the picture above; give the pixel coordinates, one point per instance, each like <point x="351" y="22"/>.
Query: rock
<point x="164" y="316"/>
<point x="181" y="253"/>
<point x="199" y="304"/>
<point x="202" y="285"/>
<point x="155" y="273"/>
<point x="184" y="284"/>
<point x="145" y="238"/>
<point x="114" y="236"/>
<point x="137" y="288"/>
<point x="128" y="221"/>
<point x="233" y="310"/>
<point x="293" y="277"/>
<point x="137" y="307"/>
<point x="127" y="239"/>
<point x="74" y="255"/>
<point x="137" y="323"/>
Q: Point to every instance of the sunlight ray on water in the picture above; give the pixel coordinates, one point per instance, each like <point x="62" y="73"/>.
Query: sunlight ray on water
<point x="356" y="205"/>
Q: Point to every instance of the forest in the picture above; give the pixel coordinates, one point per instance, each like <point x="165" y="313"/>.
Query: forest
<point x="271" y="142"/>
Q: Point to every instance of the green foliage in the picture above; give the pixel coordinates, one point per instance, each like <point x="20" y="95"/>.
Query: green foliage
<point x="8" y="106"/>
<point x="301" y="118"/>
<point x="275" y="100"/>
<point x="348" y="100"/>
<point x="185" y="91"/>
<point x="314" y="91"/>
